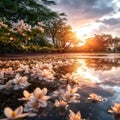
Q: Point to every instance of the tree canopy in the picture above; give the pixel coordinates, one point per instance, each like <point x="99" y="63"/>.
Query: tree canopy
<point x="31" y="11"/>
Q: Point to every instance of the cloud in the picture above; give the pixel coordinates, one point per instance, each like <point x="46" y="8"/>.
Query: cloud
<point x="108" y="29"/>
<point x="111" y="21"/>
<point x="82" y="13"/>
<point x="110" y="24"/>
<point x="85" y="9"/>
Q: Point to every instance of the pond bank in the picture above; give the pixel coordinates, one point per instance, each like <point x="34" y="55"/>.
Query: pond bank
<point x="59" y="55"/>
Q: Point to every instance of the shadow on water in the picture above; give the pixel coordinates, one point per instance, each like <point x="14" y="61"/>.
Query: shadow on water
<point x="98" y="75"/>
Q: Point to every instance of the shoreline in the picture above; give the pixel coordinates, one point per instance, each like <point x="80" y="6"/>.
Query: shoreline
<point x="59" y="55"/>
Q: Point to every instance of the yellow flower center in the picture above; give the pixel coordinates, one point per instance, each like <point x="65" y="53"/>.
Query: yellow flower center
<point x="118" y="108"/>
<point x="94" y="96"/>
<point x="29" y="96"/>
<point x="76" y="117"/>
<point x="71" y="91"/>
<point x="20" y="80"/>
<point x="62" y="103"/>
<point x="40" y="96"/>
<point x="14" y="114"/>
<point x="35" y="105"/>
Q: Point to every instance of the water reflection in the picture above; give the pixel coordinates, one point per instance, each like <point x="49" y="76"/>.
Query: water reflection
<point x="106" y="74"/>
<point x="100" y="70"/>
<point x="86" y="72"/>
<point x="90" y="75"/>
<point x="106" y="71"/>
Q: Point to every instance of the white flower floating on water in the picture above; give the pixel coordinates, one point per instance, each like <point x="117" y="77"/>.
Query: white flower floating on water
<point x="115" y="109"/>
<point x="37" y="100"/>
<point x="20" y="82"/>
<point x="71" y="90"/>
<point x="46" y="75"/>
<point x="72" y="77"/>
<point x="70" y="98"/>
<point x="95" y="98"/>
<point x="70" y="95"/>
<point x="58" y="93"/>
<point x="14" y="114"/>
<point x="9" y="71"/>
<point x="27" y="95"/>
<point x="32" y="106"/>
<point x="24" y="68"/>
<point x="40" y="96"/>
<point x="43" y="71"/>
<point x="73" y="116"/>
<point x="46" y="66"/>
<point x="60" y="103"/>
<point x="68" y="76"/>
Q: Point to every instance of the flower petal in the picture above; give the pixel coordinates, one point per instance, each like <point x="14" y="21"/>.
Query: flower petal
<point x="42" y="103"/>
<point x="17" y="76"/>
<point x="79" y="114"/>
<point x="72" y="114"/>
<point x="26" y="93"/>
<point x="45" y="97"/>
<point x="110" y="111"/>
<point x="36" y="92"/>
<point x="19" y="110"/>
<point x="75" y="89"/>
<point x="44" y="91"/>
<point x="68" y="87"/>
<point x="22" y="115"/>
<point x="8" y="112"/>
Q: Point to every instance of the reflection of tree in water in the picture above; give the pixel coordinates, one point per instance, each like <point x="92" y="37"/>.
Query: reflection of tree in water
<point x="83" y="65"/>
<point x="103" y="63"/>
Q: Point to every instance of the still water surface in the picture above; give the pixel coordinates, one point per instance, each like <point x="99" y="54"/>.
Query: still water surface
<point x="100" y="74"/>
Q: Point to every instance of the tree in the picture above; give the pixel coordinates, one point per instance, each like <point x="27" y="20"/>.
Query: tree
<point x="110" y="43"/>
<point x="60" y="33"/>
<point x="116" y="44"/>
<point x="31" y="11"/>
<point x="52" y="28"/>
<point x="102" y="42"/>
<point x="18" y="35"/>
<point x="66" y="37"/>
<point x="27" y="13"/>
<point x="94" y="44"/>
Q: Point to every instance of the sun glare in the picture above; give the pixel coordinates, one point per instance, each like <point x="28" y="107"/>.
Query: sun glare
<point x="86" y="31"/>
<point x="84" y="71"/>
<point x="81" y="34"/>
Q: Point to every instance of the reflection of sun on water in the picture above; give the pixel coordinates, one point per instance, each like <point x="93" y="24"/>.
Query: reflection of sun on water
<point x="85" y="72"/>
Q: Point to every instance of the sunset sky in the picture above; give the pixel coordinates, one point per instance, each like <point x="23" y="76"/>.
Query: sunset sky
<point x="88" y="17"/>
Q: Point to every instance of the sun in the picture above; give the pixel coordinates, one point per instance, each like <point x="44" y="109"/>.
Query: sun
<point x="82" y="33"/>
<point x="86" y="31"/>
